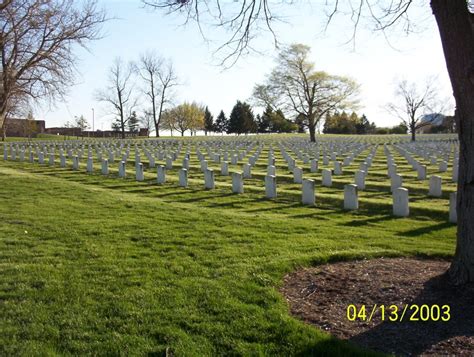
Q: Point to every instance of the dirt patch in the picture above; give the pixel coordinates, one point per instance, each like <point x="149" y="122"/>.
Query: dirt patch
<point x="321" y="296"/>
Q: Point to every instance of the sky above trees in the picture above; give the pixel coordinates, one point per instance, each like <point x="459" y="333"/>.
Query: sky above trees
<point x="372" y="61"/>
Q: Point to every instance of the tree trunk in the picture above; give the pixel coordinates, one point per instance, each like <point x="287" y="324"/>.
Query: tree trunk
<point x="312" y="133"/>
<point x="182" y="133"/>
<point x="413" y="133"/>
<point x="456" y="31"/>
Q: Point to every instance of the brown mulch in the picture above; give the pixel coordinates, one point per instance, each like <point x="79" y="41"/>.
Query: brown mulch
<point x="320" y="296"/>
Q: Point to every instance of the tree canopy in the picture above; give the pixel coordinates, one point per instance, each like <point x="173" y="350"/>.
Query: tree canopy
<point x="295" y="86"/>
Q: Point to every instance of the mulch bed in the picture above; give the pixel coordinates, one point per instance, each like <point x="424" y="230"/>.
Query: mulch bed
<point x="320" y="296"/>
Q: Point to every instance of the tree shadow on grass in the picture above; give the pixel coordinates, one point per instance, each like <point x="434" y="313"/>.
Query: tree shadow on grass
<point x="425" y="230"/>
<point x="363" y="222"/>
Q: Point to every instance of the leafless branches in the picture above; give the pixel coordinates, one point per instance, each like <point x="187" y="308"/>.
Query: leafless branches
<point x="36" y="46"/>
<point x="246" y="19"/>
<point x="416" y="107"/>
<point x="243" y="19"/>
<point x="159" y="78"/>
<point x="118" y="94"/>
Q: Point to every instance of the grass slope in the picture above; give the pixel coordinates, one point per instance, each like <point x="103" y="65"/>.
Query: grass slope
<point x="97" y="265"/>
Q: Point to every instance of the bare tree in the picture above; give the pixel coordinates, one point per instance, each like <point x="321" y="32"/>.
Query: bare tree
<point x="119" y="92"/>
<point x="414" y="107"/>
<point x="160" y="79"/>
<point x="302" y="92"/>
<point x="36" y="43"/>
<point x="455" y="24"/>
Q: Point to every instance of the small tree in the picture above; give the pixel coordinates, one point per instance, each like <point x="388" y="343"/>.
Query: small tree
<point x="147" y="122"/>
<point x="413" y="106"/>
<point x="221" y="124"/>
<point x="81" y="122"/>
<point x="186" y="116"/>
<point x="133" y="123"/>
<point x="119" y="92"/>
<point x="241" y="119"/>
<point x="265" y="122"/>
<point x="208" y="121"/>
<point x="296" y="87"/>
<point x="159" y="78"/>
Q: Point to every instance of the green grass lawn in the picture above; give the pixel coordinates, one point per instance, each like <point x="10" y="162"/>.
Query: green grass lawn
<point x="103" y="266"/>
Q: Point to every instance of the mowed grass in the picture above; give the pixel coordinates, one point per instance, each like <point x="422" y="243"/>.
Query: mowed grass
<point x="98" y="265"/>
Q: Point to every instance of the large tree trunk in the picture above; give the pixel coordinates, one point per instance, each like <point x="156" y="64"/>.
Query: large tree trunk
<point x="312" y="132"/>
<point x="456" y="30"/>
<point x="413" y="132"/>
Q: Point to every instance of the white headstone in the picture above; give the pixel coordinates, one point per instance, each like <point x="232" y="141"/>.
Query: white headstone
<point x="337" y="168"/>
<point x="247" y="171"/>
<point x="105" y="167"/>
<point x="186" y="163"/>
<point x="327" y="177"/>
<point x="443" y="166"/>
<point x="160" y="174"/>
<point x="314" y="165"/>
<point x="51" y="159"/>
<point x="395" y="182"/>
<point x="392" y="170"/>
<point x="209" y="179"/>
<point x="351" y="198"/>
<point x="308" y="197"/>
<point x="203" y="165"/>
<point x="90" y="165"/>
<point x="237" y="182"/>
<point x="139" y="176"/>
<point x="297" y="175"/>
<point x="435" y="186"/>
<point x="224" y="168"/>
<point x="421" y="172"/>
<point x="270" y="187"/>
<point x="360" y="179"/>
<point x="183" y="177"/>
<point x="62" y="160"/>
<point x="122" y="169"/>
<point x="75" y="162"/>
<point x="271" y="170"/>
<point x="400" y="202"/>
<point x="169" y="163"/>
<point x="41" y="157"/>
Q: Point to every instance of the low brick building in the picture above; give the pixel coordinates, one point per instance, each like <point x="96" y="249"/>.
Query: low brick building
<point x="23" y="127"/>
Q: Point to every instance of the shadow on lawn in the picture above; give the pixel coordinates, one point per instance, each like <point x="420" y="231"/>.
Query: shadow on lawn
<point x="417" y="337"/>
<point x="425" y="230"/>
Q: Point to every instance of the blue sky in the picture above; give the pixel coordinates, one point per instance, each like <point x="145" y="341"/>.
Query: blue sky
<point x="373" y="62"/>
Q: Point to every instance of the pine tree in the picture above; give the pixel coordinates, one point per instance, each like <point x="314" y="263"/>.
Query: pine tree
<point x="264" y="126"/>
<point x="208" y="121"/>
<point x="133" y="122"/>
<point x="221" y="124"/>
<point x="241" y="119"/>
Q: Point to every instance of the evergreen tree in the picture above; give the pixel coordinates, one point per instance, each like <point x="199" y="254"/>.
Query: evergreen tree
<point x="264" y="125"/>
<point x="300" y="122"/>
<point x="116" y="125"/>
<point x="221" y="124"/>
<point x="280" y="124"/>
<point x="241" y="119"/>
<point x="208" y="121"/>
<point x="133" y="122"/>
